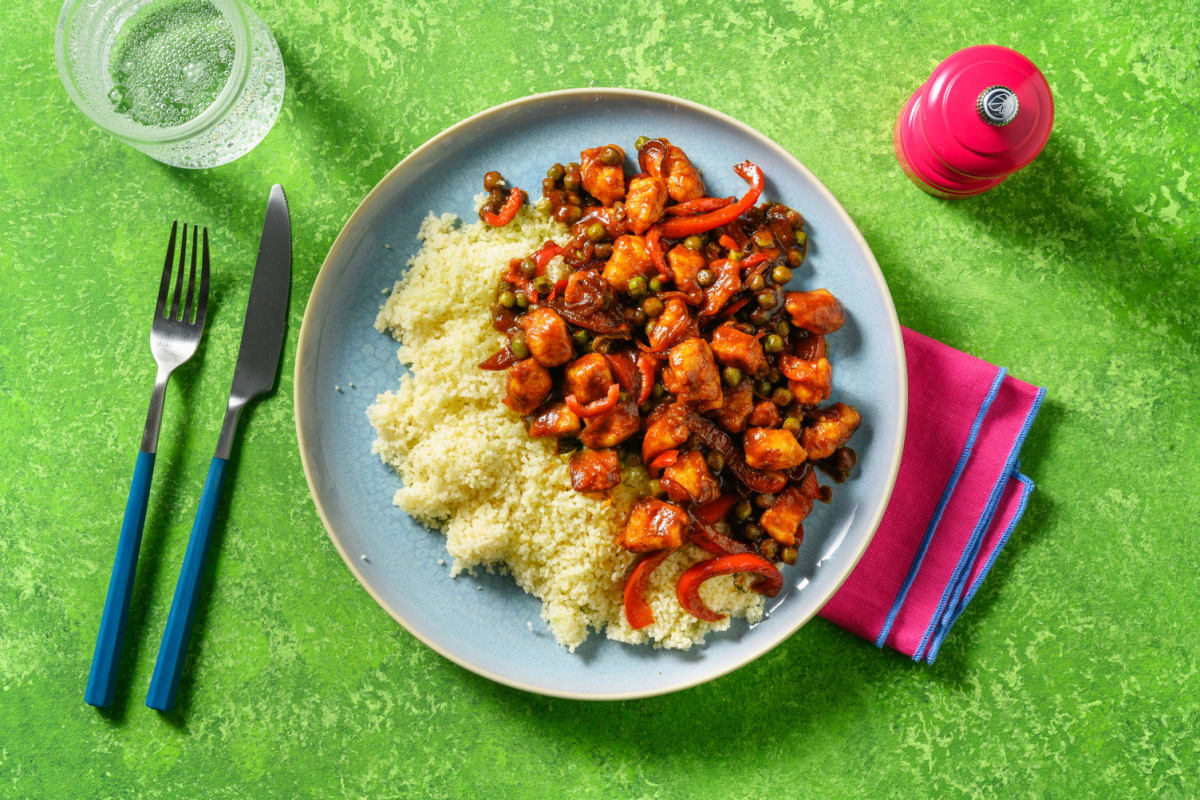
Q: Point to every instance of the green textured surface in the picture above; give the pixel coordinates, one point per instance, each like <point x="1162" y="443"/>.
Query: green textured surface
<point x="1075" y="672"/>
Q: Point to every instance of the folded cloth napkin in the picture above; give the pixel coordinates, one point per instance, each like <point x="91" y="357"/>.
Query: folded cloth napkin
<point x="958" y="496"/>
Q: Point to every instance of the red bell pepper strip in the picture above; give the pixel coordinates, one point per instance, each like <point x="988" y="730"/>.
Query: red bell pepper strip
<point x="711" y="541"/>
<point x="751" y="261"/>
<point x="713" y="512"/>
<point x="647" y="365"/>
<point x="688" y="587"/>
<point x="501" y="359"/>
<point x="727" y="242"/>
<point x="734" y="231"/>
<point x="679" y="227"/>
<point x="637" y="610"/>
<point x="690" y="208"/>
<point x="662" y="461"/>
<point x="596" y="407"/>
<point x="507" y="211"/>
<point x="656" y="253"/>
<point x="543" y="256"/>
<point x="733" y="309"/>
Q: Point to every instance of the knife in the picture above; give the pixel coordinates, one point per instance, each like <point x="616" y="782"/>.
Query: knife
<point x="257" y="366"/>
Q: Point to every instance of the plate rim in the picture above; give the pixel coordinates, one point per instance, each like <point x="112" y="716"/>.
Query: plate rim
<point x="324" y="280"/>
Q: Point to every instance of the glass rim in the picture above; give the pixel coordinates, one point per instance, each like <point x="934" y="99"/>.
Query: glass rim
<point x="233" y="10"/>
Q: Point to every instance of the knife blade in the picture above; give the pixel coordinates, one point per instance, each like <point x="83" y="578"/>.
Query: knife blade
<point x="266" y="316"/>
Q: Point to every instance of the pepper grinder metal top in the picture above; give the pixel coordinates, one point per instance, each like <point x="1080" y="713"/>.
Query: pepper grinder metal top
<point x="983" y="114"/>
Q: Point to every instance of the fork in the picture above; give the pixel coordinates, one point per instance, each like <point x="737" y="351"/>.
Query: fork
<point x="174" y="337"/>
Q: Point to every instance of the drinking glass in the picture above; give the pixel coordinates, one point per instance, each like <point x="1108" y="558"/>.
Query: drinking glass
<point x="174" y="54"/>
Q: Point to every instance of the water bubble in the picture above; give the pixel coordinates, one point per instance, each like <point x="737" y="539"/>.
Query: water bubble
<point x="117" y="96"/>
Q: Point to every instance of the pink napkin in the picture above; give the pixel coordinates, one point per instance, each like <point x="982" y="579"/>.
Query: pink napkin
<point x="958" y="496"/>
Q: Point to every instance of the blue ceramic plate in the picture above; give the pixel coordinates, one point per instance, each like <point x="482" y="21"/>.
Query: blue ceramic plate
<point x="396" y="559"/>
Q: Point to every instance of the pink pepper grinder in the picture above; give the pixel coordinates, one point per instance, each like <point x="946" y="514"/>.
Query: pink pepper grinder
<point x="984" y="113"/>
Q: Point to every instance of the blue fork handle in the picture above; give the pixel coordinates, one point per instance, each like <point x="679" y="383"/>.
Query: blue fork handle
<point x="172" y="652"/>
<point x="107" y="656"/>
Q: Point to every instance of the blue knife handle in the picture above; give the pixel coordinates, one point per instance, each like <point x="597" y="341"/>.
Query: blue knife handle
<point x="107" y="656"/>
<point x="172" y="652"/>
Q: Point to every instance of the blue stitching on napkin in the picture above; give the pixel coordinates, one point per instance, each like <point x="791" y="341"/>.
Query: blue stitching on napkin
<point x="971" y="550"/>
<point x="1026" y="490"/>
<point x="940" y="509"/>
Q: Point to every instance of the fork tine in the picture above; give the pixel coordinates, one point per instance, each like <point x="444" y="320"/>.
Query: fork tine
<point x="202" y="298"/>
<point x="165" y="283"/>
<point x="191" y="287"/>
<point x="179" y="280"/>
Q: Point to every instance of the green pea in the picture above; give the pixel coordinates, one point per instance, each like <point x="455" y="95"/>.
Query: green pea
<point x="791" y="425"/>
<point x="544" y="205"/>
<point x="639" y="317"/>
<point x="522" y="300"/>
<point x="765" y="388"/>
<point x="652" y="306"/>
<point x="756" y="283"/>
<point x="742" y="511"/>
<point x="596" y="231"/>
<point x="781" y="275"/>
<point x="571" y="181"/>
<point x="753" y="532"/>
<point x="657" y="390"/>
<point x="760" y="316"/>
<point x="610" y="155"/>
<point x="637" y="287"/>
<point x="716" y="461"/>
<point x="782" y="328"/>
<point x="801" y="238"/>
<point x="573" y="214"/>
<point x="734" y="255"/>
<point x="764" y="239"/>
<point x="767" y="299"/>
<point x="732" y="376"/>
<point x="603" y="251"/>
<point x="517" y="344"/>
<point x="764" y="500"/>
<point x="656" y="284"/>
<point x="774" y="375"/>
<point x="768" y="549"/>
<point x="580" y="337"/>
<point x="722" y="527"/>
<point x="781" y="397"/>
<point x="773" y="343"/>
<point x="556" y="172"/>
<point x="641" y="142"/>
<point x="507" y="299"/>
<point x="705" y="277"/>
<point x="542" y="284"/>
<point x="795" y="258"/>
<point x="693" y="242"/>
<point x="528" y="268"/>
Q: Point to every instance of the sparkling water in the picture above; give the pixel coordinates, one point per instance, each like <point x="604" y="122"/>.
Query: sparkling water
<point x="170" y="62"/>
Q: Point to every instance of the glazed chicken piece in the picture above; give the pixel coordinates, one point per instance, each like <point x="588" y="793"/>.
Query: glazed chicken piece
<point x="645" y="203"/>
<point x="594" y="470"/>
<point x="547" y="337"/>
<point x="734" y="414"/>
<point x="764" y="415"/>
<point x="553" y="420"/>
<point x="666" y="432"/>
<point x="810" y="381"/>
<point x="669" y="323"/>
<point x="691" y="374"/>
<point x="831" y="429"/>
<point x="605" y="182"/>
<point x="817" y="311"/>
<point x="782" y="520"/>
<point x="683" y="181"/>
<point x="685" y="265"/>
<point x="629" y="259"/>
<point x="654" y="525"/>
<point x="528" y="385"/>
<point x="734" y="348"/>
<point x="588" y="378"/>
<point x="613" y="427"/>
<point x="728" y="283"/>
<point x="689" y="480"/>
<point x="772" y="449"/>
